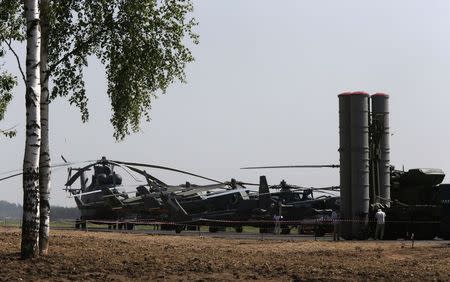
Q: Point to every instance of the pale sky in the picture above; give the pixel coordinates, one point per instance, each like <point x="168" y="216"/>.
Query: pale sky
<point x="263" y="91"/>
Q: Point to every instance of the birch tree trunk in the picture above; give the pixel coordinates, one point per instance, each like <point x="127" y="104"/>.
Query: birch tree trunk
<point x="44" y="160"/>
<point x="30" y="220"/>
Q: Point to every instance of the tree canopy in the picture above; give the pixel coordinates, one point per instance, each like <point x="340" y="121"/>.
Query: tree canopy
<point x="11" y="28"/>
<point x="141" y="43"/>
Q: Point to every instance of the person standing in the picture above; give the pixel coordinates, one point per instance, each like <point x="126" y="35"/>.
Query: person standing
<point x="277" y="219"/>
<point x="379" y="231"/>
<point x="335" y="221"/>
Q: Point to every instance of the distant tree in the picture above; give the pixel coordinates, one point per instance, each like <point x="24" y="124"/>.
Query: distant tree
<point x="140" y="42"/>
<point x="14" y="211"/>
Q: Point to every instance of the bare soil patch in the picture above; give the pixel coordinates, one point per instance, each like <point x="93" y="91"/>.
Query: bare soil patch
<point x="77" y="255"/>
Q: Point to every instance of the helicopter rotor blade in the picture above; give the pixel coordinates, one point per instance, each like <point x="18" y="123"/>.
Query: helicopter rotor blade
<point x="292" y="166"/>
<point x="168" y="168"/>
<point x="144" y="173"/>
<point x="52" y="166"/>
<point x="79" y="172"/>
<point x="21" y="172"/>
<point x="126" y="169"/>
<point x="330" y="188"/>
<point x="247" y="183"/>
<point x="11" y="176"/>
<point x="242" y="183"/>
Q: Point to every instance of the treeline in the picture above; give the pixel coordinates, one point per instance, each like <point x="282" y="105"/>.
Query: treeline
<point x="14" y="211"/>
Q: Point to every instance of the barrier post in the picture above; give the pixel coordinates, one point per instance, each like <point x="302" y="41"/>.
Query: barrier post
<point x="315" y="230"/>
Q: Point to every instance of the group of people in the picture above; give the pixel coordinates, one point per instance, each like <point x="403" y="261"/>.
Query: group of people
<point x="380" y="217"/>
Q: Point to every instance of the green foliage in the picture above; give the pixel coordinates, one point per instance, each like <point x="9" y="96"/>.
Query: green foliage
<point x="142" y="44"/>
<point x="7" y="83"/>
<point x="12" y="21"/>
<point x="12" y="27"/>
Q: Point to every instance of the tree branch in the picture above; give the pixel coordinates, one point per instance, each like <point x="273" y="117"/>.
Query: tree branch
<point x="10" y="132"/>
<point x="74" y="51"/>
<point x="9" y="129"/>
<point x="17" y="58"/>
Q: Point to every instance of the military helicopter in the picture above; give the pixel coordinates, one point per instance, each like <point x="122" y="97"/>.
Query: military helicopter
<point x="102" y="199"/>
<point x="296" y="203"/>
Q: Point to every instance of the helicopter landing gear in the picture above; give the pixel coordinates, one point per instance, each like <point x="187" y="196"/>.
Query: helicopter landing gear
<point x="80" y="224"/>
<point x="214" y="229"/>
<point x="285" y="230"/>
<point x="319" y="231"/>
<point x="179" y="228"/>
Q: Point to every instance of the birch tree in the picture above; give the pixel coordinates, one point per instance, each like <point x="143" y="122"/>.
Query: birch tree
<point x="30" y="220"/>
<point x="44" y="159"/>
<point x="142" y="44"/>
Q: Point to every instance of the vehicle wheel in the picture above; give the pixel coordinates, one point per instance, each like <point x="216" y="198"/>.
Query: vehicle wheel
<point x="285" y="230"/>
<point x="179" y="228"/>
<point x="192" y="228"/>
<point x="424" y="231"/>
<point x="266" y="230"/>
<point x="445" y="236"/>
<point x="319" y="232"/>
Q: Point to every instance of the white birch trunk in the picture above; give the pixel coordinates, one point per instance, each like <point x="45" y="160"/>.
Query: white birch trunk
<point x="44" y="161"/>
<point x="30" y="220"/>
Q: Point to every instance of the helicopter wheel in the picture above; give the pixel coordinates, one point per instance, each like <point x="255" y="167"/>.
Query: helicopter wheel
<point x="213" y="229"/>
<point x="179" y="228"/>
<point x="266" y="230"/>
<point x="77" y="224"/>
<point x="319" y="232"/>
<point x="285" y="230"/>
<point x="192" y="228"/>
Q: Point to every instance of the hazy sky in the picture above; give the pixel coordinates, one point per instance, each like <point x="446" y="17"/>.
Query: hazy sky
<point x="263" y="91"/>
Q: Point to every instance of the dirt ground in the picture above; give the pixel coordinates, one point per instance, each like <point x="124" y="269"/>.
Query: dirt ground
<point x="78" y="255"/>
